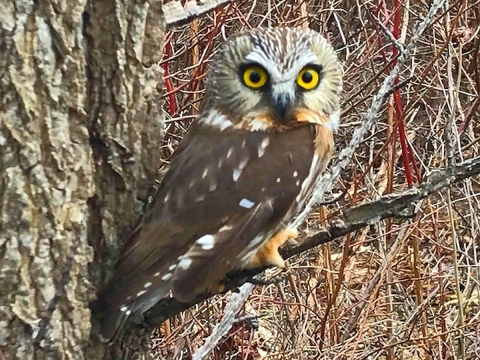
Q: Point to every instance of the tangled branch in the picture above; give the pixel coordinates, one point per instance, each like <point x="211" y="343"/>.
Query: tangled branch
<point x="355" y="218"/>
<point x="177" y="15"/>
<point x="392" y="206"/>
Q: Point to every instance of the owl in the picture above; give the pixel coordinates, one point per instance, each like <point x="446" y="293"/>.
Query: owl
<point x="261" y="140"/>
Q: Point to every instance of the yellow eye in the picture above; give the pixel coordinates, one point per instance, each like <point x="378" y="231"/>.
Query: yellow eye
<point x="255" y="77"/>
<point x="308" y="78"/>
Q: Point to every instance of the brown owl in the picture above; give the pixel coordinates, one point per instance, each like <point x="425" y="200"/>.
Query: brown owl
<point x="262" y="139"/>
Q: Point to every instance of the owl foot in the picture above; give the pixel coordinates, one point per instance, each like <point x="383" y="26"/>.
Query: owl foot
<point x="216" y="287"/>
<point x="274" y="280"/>
<point x="268" y="254"/>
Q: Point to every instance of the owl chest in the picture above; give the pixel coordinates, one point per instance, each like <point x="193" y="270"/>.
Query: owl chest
<point x="284" y="171"/>
<point x="224" y="176"/>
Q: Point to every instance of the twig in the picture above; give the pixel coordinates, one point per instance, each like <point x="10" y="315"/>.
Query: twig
<point x="234" y="304"/>
<point x="398" y="86"/>
<point x="177" y="15"/>
<point x="353" y="219"/>
<point x="388" y="33"/>
<point x="327" y="182"/>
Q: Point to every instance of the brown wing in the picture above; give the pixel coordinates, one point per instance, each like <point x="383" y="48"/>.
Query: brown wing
<point x="235" y="179"/>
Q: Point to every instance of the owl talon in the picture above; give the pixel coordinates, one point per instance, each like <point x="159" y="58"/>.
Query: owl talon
<point x="216" y="288"/>
<point x="273" y="280"/>
<point x="268" y="254"/>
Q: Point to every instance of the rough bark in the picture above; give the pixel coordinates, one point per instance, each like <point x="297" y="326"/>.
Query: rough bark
<point x="81" y="121"/>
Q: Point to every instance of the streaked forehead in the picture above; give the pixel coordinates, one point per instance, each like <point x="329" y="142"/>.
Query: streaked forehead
<point x="282" y="51"/>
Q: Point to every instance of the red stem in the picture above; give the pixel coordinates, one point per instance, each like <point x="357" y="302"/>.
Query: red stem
<point x="172" y="106"/>
<point x="407" y="153"/>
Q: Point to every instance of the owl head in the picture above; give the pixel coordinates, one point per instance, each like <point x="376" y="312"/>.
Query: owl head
<point x="273" y="74"/>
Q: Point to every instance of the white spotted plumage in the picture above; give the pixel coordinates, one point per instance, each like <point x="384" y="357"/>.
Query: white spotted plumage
<point x="238" y="170"/>
<point x="168" y="276"/>
<point x="217" y="120"/>
<point x="247" y="204"/>
<point x="206" y="242"/>
<point x="263" y="147"/>
<point x="184" y="262"/>
<point x="246" y="167"/>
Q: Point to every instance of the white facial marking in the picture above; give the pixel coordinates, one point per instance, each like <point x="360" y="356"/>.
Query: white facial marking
<point x="128" y="312"/>
<point x="200" y="197"/>
<point x="140" y="293"/>
<point x="215" y="119"/>
<point x="245" y="203"/>
<point x="297" y="183"/>
<point x="295" y="174"/>
<point x="205" y="173"/>
<point x="334" y="121"/>
<point x="124" y="308"/>
<point x="263" y="147"/>
<point x="278" y="180"/>
<point x="167" y="276"/>
<point x="157" y="274"/>
<point x="206" y="242"/>
<point x="147" y="285"/>
<point x="172" y="267"/>
<point x="185" y="262"/>
<point x="220" y="163"/>
<point x="192" y="182"/>
<point x="229" y="152"/>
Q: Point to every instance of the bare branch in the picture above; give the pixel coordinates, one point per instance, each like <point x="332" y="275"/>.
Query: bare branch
<point x="329" y="180"/>
<point x="353" y="219"/>
<point x="177" y="15"/>
<point x="235" y="303"/>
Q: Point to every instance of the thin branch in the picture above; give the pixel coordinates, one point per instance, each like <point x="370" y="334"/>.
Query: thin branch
<point x="353" y="219"/>
<point x="234" y="305"/>
<point x="177" y="15"/>
<point x="387" y="33"/>
<point x="328" y="180"/>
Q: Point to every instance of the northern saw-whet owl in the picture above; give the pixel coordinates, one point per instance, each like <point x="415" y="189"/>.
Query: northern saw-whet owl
<point x="262" y="139"/>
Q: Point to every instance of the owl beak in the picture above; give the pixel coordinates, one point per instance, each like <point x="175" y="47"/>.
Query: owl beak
<point x="283" y="97"/>
<point x="282" y="102"/>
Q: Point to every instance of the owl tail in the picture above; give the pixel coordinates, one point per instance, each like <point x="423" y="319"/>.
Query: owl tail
<point x="113" y="319"/>
<point x="111" y="325"/>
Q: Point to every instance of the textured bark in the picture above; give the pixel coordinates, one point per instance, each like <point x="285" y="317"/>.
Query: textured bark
<point x="81" y="121"/>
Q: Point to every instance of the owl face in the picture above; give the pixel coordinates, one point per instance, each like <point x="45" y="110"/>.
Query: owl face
<point x="274" y="74"/>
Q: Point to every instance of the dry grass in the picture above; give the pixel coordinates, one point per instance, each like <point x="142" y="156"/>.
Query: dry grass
<point x="402" y="289"/>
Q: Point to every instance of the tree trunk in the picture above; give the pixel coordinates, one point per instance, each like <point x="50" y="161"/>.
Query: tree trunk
<point x="81" y="124"/>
